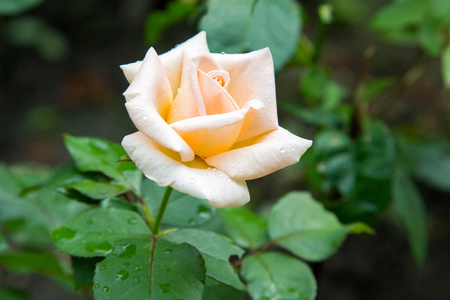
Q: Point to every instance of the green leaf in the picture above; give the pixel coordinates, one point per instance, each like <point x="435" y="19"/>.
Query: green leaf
<point x="301" y="225"/>
<point x="40" y="262"/>
<point x="98" y="155"/>
<point x="445" y="65"/>
<point x="399" y="14"/>
<point x="245" y="227"/>
<point x="9" y="186"/>
<point x="14" y="7"/>
<point x="216" y="251"/>
<point x="183" y="210"/>
<point x="372" y="173"/>
<point x="30" y="218"/>
<point x="430" y="37"/>
<point x="146" y="269"/>
<point x="430" y="162"/>
<point x="158" y="21"/>
<point x="117" y="203"/>
<point x="95" y="232"/>
<point x="83" y="271"/>
<point x="226" y="23"/>
<point x="274" y="275"/>
<point x="235" y="26"/>
<point x="10" y="294"/>
<point x="222" y="292"/>
<point x="98" y="190"/>
<point x="410" y="209"/>
<point x="275" y="24"/>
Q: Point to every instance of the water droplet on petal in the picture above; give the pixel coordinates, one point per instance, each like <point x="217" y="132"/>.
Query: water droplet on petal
<point x="179" y="90"/>
<point x="141" y="108"/>
<point x="232" y="165"/>
<point x="144" y="117"/>
<point x="191" y="180"/>
<point x="222" y="53"/>
<point x="266" y="96"/>
<point x="275" y="134"/>
<point x="209" y="169"/>
<point x="221" y="175"/>
<point x="228" y="180"/>
<point x="240" y="170"/>
<point x="283" y="150"/>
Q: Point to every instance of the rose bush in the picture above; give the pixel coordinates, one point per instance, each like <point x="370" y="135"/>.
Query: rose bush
<point x="207" y="122"/>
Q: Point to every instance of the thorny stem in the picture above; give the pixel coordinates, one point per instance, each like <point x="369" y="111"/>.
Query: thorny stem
<point x="161" y="210"/>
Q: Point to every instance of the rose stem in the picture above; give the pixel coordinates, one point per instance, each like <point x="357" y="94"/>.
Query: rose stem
<point x="161" y="210"/>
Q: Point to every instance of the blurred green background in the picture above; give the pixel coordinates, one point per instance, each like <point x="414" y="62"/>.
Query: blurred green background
<point x="59" y="73"/>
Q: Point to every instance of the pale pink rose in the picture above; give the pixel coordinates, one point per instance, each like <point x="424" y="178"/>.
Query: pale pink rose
<point x="207" y="122"/>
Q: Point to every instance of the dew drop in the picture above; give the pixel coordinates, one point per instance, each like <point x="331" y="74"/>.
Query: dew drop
<point x="266" y="96"/>
<point x="103" y="268"/>
<point x="167" y="270"/>
<point x="105" y="289"/>
<point x="136" y="279"/>
<point x="275" y="134"/>
<point x="221" y="175"/>
<point x="223" y="53"/>
<point x="214" y="170"/>
<point x="209" y="169"/>
<point x="138" y="268"/>
<point x="132" y="221"/>
<point x="179" y="90"/>
<point x="292" y="149"/>
<point x="141" y="108"/>
<point x="191" y="180"/>
<point x="90" y="221"/>
<point x="168" y="251"/>
<point x="283" y="150"/>
<point x="228" y="180"/>
<point x="97" y="285"/>
<point x="240" y="170"/>
<point x="126" y="265"/>
<point x="144" y="117"/>
<point x="232" y="165"/>
<point x="122" y="275"/>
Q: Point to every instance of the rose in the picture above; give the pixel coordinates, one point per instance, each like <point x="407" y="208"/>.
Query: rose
<point x="207" y="122"/>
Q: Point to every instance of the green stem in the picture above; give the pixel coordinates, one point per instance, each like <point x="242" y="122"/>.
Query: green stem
<point x="161" y="210"/>
<point x="318" y="41"/>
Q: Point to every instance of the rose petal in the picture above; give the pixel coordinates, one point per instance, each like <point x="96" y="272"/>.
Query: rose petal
<point x="261" y="155"/>
<point x="130" y="70"/>
<point x="252" y="77"/>
<point x="193" y="178"/>
<point x="214" y="134"/>
<point x="215" y="97"/>
<point x="173" y="59"/>
<point x="149" y="98"/>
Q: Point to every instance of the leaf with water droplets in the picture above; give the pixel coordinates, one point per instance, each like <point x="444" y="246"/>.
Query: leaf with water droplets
<point x="274" y="275"/>
<point x="216" y="251"/>
<point x="150" y="269"/>
<point x="301" y="225"/>
<point x="95" y="232"/>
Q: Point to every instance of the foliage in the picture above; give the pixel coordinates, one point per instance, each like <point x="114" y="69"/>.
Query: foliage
<point x="112" y="235"/>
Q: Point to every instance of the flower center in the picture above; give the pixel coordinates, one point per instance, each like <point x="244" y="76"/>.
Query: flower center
<point x="221" y="77"/>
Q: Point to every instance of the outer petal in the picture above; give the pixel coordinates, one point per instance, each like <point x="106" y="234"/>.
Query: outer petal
<point x="193" y="178"/>
<point x="173" y="60"/>
<point x="130" y="70"/>
<point x="214" y="134"/>
<point x="252" y="77"/>
<point x="149" y="98"/>
<point x="261" y="155"/>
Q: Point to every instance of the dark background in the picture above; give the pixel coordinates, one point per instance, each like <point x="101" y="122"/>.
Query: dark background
<point x="79" y="93"/>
